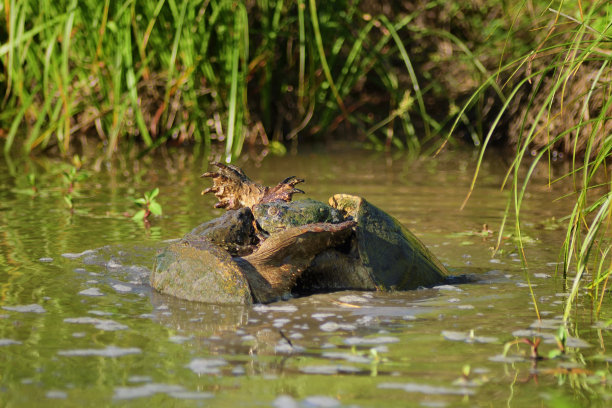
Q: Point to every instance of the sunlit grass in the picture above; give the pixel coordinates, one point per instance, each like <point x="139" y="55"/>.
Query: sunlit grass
<point x="563" y="114"/>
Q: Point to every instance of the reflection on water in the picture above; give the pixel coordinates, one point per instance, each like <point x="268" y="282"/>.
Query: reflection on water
<point x="80" y="326"/>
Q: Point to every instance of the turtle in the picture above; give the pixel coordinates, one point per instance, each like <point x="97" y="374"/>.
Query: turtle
<point x="267" y="247"/>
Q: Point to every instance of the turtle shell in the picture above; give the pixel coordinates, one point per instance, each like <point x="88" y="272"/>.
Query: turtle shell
<point x="279" y="215"/>
<point x="393" y="256"/>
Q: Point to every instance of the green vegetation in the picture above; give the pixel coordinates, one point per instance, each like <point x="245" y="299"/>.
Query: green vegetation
<point x="239" y="72"/>
<point x="533" y="75"/>
<point x="149" y="206"/>
<point x="568" y="110"/>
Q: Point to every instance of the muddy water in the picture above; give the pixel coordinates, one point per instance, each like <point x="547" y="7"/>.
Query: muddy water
<point x="79" y="325"/>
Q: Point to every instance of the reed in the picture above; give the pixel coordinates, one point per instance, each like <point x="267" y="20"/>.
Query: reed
<point x="567" y="110"/>
<point x="229" y="72"/>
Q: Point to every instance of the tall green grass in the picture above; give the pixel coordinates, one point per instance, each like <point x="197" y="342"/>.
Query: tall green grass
<point x="206" y="71"/>
<point x="566" y="88"/>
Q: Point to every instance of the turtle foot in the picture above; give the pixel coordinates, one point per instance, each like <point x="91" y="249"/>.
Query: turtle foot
<point x="234" y="189"/>
<point x="283" y="191"/>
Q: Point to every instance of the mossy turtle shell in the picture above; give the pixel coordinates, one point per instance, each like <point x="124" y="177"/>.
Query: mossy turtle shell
<point x="279" y="215"/>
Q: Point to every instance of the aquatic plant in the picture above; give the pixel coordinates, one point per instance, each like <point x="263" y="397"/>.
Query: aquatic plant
<point x="564" y="84"/>
<point x="148" y="204"/>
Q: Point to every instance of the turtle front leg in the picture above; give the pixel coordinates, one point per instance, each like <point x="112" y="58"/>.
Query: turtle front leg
<point x="233" y="188"/>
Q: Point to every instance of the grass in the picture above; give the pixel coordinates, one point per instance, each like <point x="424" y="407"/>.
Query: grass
<point x="228" y="72"/>
<point x="568" y="114"/>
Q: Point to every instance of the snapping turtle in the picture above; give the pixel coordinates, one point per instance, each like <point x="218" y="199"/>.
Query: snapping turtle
<point x="267" y="247"/>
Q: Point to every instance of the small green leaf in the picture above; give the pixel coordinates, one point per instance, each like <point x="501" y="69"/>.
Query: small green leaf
<point x="68" y="200"/>
<point x="153" y="193"/>
<point x="155" y="208"/>
<point x="139" y="216"/>
<point x="140" y="201"/>
<point x="277" y="148"/>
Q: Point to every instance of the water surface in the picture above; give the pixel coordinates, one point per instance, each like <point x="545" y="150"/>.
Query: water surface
<point x="79" y="325"/>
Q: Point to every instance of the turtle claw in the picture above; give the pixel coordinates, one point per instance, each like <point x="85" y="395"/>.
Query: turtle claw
<point x="284" y="190"/>
<point x="210" y="190"/>
<point x="292" y="181"/>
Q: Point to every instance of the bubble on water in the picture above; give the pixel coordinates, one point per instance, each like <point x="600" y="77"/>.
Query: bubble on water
<point x="180" y="339"/>
<point x="500" y="358"/>
<point x="139" y="378"/>
<point x="453" y="300"/>
<point x="372" y="341"/>
<point x="330" y="369"/>
<point x="353" y="299"/>
<point x="332" y="326"/>
<point x="100" y="313"/>
<point x="495" y="261"/>
<point x="284" y="348"/>
<point x="285" y="401"/>
<point x="320" y="401"/>
<point x="280" y="322"/>
<point x="426" y="389"/>
<point x="248" y="338"/>
<point x="70" y="255"/>
<point x="526" y="285"/>
<point x="162" y="307"/>
<point x="109" y="351"/>
<point x="56" y="394"/>
<point x="350" y="357"/>
<point x="33" y="308"/>
<point x="329" y="326"/>
<point x="79" y="335"/>
<point x="275" y="308"/>
<point x="91" y="292"/>
<point x="146" y="390"/>
<point x="468" y="337"/>
<point x="238" y="370"/>
<point x="102" y="324"/>
<point x="113" y="264"/>
<point x="576" y="342"/>
<point x="192" y="395"/>
<point x="433" y="404"/>
<point x="448" y="287"/>
<point x="122" y="288"/>
<point x="541" y="275"/>
<point x="322" y="316"/>
<point x="546" y="324"/>
<point x="465" y="307"/>
<point x="45" y="259"/>
<point x="8" y="342"/>
<point x="206" y="366"/>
